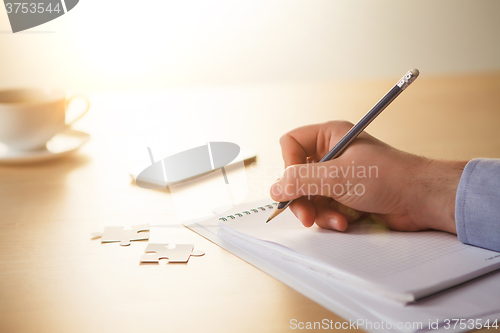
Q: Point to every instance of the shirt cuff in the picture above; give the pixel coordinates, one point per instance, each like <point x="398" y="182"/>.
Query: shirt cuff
<point x="477" y="205"/>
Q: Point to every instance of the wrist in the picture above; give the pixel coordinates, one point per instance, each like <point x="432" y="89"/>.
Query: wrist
<point x="436" y="190"/>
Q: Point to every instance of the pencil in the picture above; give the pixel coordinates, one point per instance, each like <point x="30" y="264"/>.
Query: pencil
<point x="402" y="84"/>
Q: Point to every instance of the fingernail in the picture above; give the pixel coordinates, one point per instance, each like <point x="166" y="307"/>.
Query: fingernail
<point x="276" y="191"/>
<point x="333" y="223"/>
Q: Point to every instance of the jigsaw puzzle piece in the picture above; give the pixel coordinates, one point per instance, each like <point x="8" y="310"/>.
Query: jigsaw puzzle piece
<point x="124" y="236"/>
<point x="179" y="253"/>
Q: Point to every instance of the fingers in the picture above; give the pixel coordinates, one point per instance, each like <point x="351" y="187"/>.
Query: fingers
<point x="327" y="217"/>
<point x="303" y="180"/>
<point x="299" y="144"/>
<point x="304" y="210"/>
<point x="306" y="141"/>
<point x="306" y="180"/>
<point x="325" y="212"/>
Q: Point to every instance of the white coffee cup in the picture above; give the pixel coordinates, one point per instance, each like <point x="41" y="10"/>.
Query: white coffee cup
<point x="31" y="117"/>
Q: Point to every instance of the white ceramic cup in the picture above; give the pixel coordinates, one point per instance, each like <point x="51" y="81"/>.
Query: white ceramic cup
<point x="31" y="117"/>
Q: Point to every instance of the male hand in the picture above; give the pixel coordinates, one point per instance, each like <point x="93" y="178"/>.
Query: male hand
<point x="400" y="190"/>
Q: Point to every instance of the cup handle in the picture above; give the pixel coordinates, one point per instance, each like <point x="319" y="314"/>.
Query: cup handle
<point x="68" y="102"/>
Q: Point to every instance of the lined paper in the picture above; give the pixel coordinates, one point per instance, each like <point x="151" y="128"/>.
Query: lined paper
<point x="414" y="264"/>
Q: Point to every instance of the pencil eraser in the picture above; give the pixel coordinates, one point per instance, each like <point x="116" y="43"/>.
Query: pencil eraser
<point x="415" y="72"/>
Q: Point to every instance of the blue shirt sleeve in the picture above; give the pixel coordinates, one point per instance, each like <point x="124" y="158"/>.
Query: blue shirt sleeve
<point x="477" y="206"/>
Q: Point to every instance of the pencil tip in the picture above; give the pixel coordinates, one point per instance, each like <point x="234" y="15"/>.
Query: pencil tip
<point x="275" y="213"/>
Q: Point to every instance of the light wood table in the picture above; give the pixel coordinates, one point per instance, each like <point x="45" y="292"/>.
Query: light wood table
<point x="54" y="278"/>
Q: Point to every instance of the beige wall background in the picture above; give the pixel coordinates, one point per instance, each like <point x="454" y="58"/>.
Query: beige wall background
<point x="117" y="44"/>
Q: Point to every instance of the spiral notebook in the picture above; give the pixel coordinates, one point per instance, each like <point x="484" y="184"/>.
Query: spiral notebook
<point x="402" y="266"/>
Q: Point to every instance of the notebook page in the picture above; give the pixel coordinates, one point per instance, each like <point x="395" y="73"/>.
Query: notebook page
<point x="472" y="300"/>
<point x="419" y="263"/>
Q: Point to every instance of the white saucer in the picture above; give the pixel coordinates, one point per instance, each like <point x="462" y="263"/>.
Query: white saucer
<point x="60" y="145"/>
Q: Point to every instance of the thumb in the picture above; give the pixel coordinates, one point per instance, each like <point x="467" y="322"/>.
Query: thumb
<point x="305" y="180"/>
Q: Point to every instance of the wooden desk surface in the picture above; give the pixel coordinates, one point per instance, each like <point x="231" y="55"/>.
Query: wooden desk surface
<point x="54" y="278"/>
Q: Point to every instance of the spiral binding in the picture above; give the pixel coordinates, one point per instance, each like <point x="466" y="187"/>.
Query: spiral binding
<point x="246" y="212"/>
